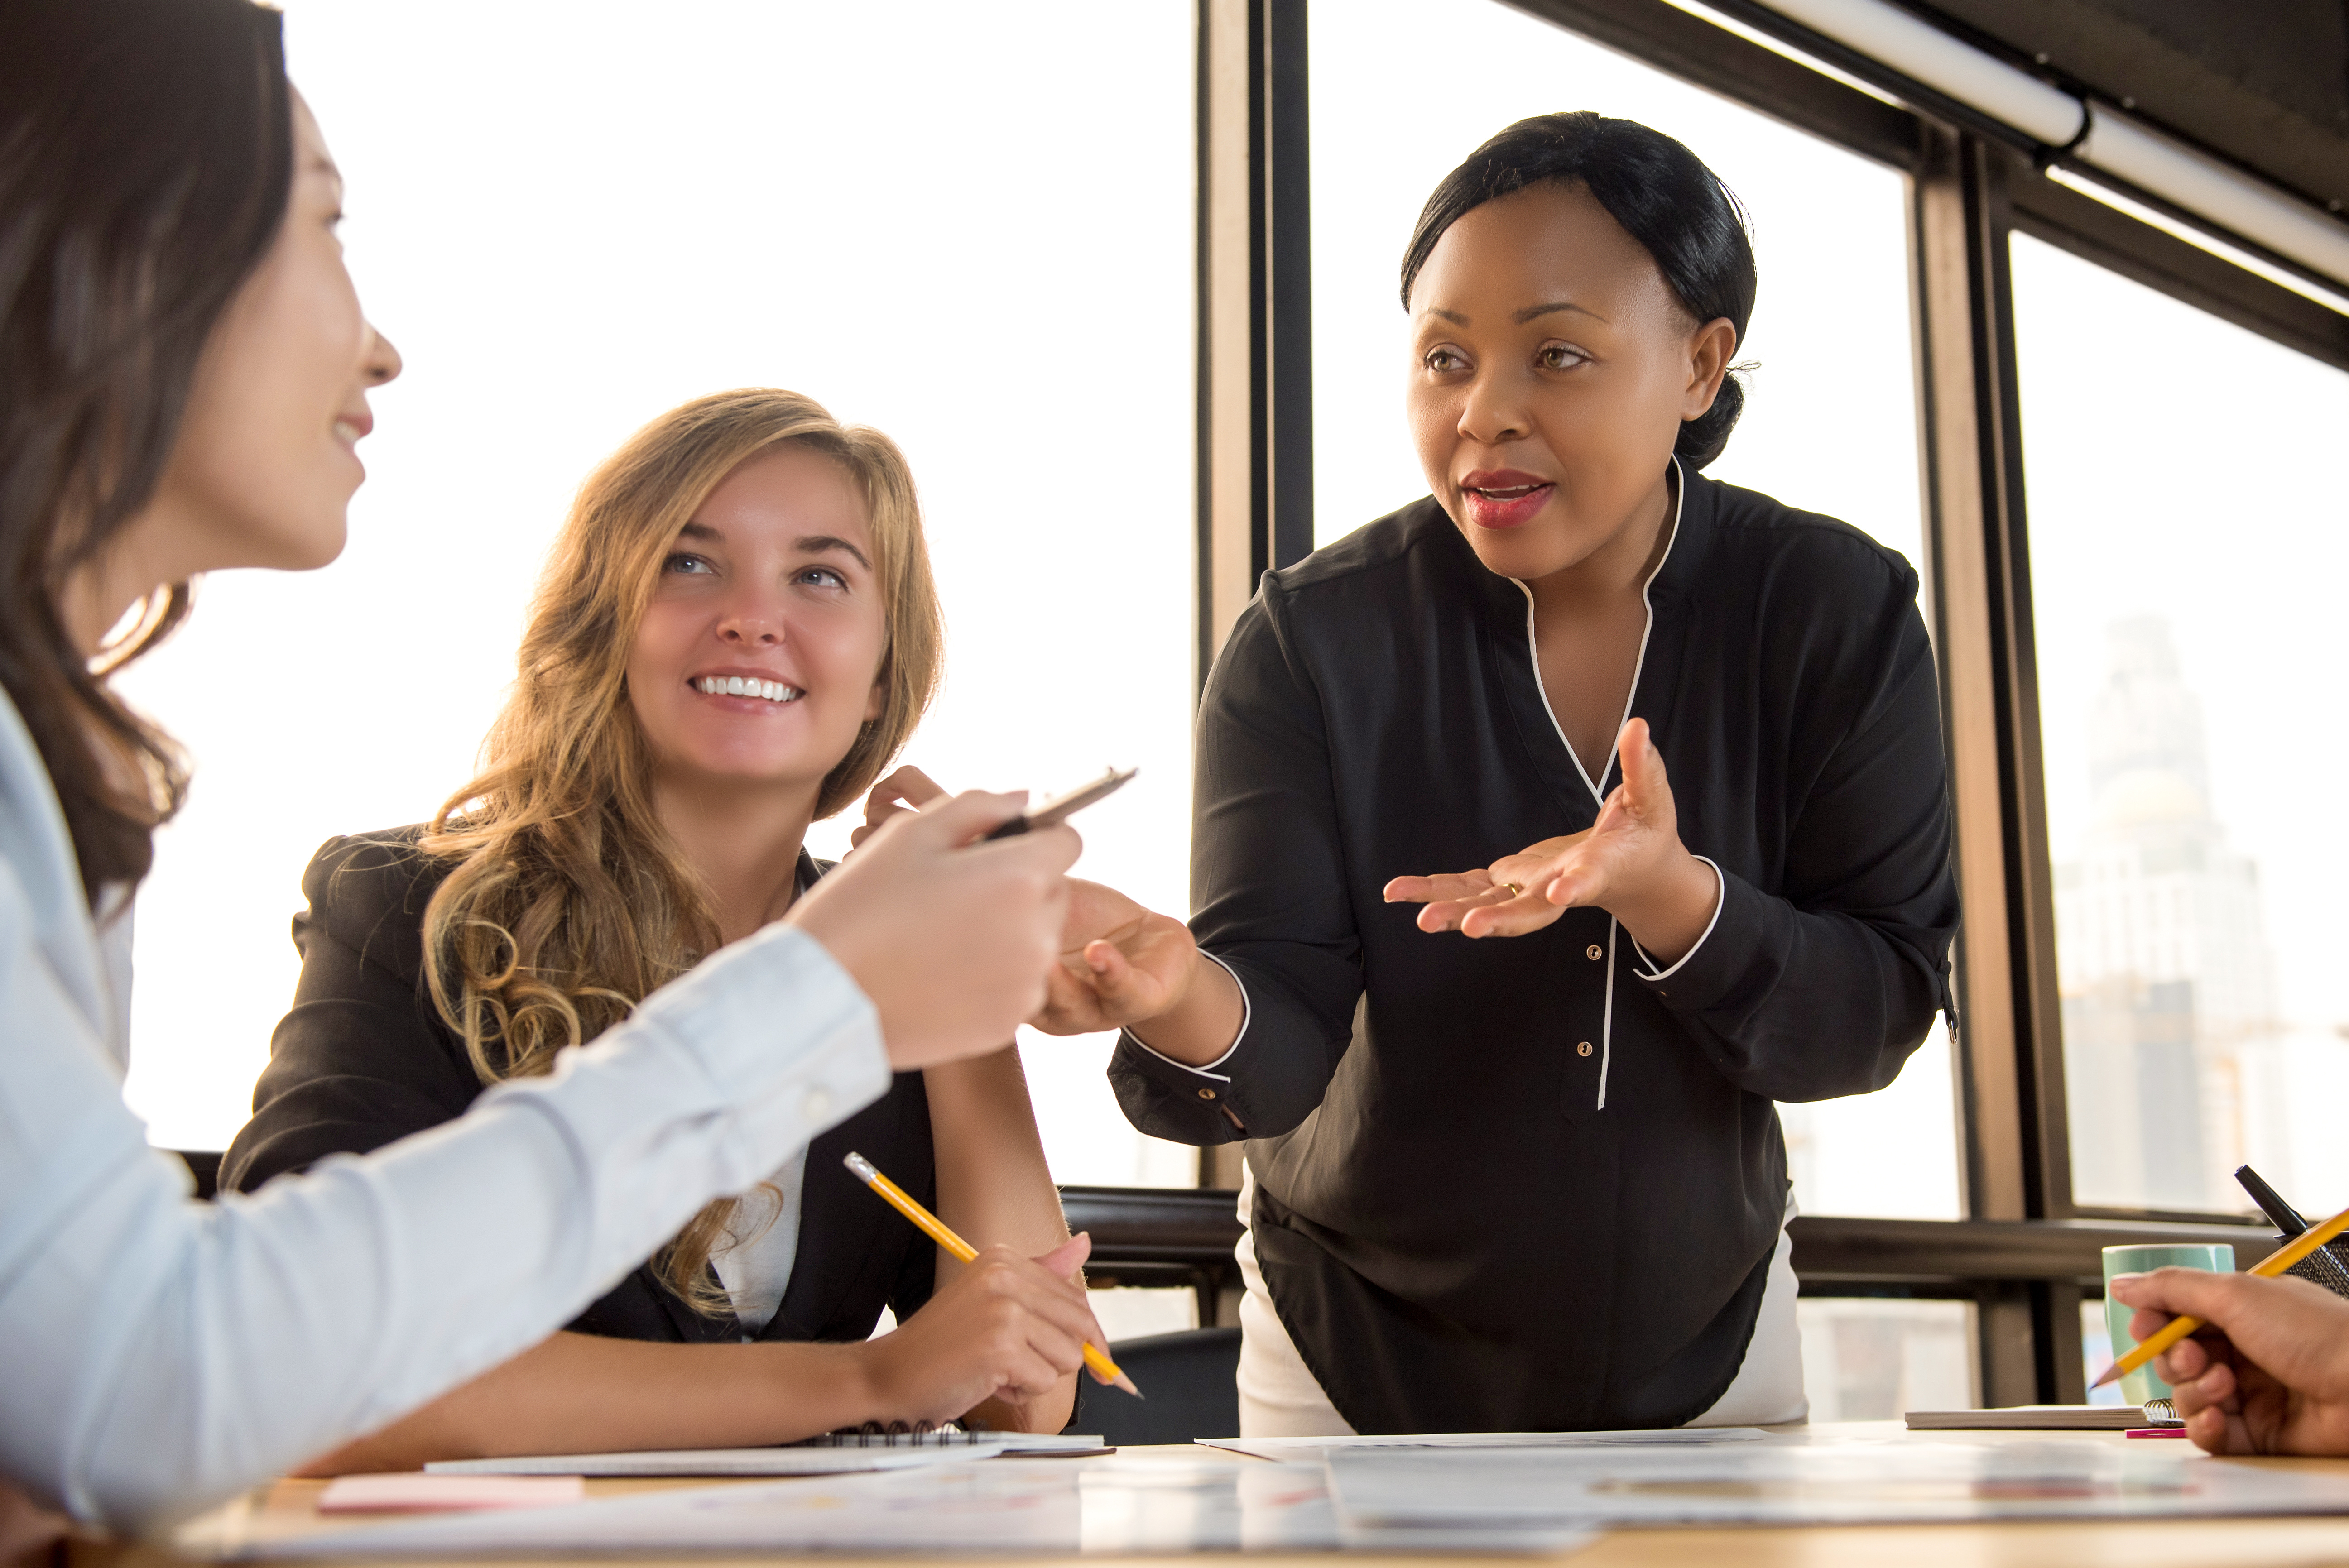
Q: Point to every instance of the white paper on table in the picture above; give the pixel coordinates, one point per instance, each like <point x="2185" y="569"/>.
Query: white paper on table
<point x="722" y="1461"/>
<point x="1151" y="1505"/>
<point x="1315" y="1447"/>
<point x="1894" y="1480"/>
<point x="442" y="1493"/>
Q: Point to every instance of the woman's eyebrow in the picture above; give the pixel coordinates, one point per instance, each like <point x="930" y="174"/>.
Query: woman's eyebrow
<point x="825" y="544"/>
<point x="320" y="164"/>
<point x="701" y="531"/>
<point x="1532" y="311"/>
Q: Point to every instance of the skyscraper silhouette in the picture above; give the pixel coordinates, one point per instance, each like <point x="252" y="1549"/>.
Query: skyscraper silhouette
<point x="2168" y="983"/>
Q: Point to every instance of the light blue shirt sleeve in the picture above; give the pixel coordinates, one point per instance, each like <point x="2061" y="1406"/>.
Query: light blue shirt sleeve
<point x="157" y="1354"/>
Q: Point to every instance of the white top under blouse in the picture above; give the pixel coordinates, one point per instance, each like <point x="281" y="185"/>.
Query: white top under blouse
<point x="757" y="1270"/>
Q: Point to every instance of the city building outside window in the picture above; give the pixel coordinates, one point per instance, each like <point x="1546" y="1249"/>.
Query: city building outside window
<point x="2188" y="536"/>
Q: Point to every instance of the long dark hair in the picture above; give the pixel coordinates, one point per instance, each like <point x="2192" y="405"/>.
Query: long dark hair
<point x="146" y="155"/>
<point x="1663" y="196"/>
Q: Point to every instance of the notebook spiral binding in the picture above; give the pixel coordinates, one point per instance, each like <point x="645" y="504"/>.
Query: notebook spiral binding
<point x="898" y="1435"/>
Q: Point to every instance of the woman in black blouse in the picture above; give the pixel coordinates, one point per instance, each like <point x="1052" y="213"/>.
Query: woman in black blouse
<point x="735" y="632"/>
<point x="1678" y="744"/>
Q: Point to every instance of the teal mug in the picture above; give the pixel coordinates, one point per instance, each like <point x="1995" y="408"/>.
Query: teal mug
<point x="2140" y="1385"/>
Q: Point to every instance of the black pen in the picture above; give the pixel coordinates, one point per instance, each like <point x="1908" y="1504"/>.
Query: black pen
<point x="2286" y="1218"/>
<point x="1053" y="812"/>
<point x="2321" y="1267"/>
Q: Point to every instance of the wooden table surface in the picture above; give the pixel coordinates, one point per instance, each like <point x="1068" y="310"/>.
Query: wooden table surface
<point x="288" y="1508"/>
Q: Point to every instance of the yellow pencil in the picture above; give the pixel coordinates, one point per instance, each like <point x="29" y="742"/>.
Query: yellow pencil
<point x="935" y="1229"/>
<point x="2274" y="1264"/>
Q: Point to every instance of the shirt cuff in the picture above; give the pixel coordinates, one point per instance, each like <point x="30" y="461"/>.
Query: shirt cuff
<point x="783" y="1085"/>
<point x="1248" y="1011"/>
<point x="1647" y="970"/>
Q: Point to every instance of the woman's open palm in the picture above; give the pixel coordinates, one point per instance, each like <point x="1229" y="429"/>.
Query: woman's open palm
<point x="1609" y="863"/>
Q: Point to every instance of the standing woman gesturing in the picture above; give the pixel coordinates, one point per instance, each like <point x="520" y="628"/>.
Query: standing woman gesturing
<point x="183" y="377"/>
<point x="1546" y="831"/>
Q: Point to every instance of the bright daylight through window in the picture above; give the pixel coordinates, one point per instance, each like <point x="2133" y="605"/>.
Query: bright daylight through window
<point x="2183" y="615"/>
<point x="571" y="221"/>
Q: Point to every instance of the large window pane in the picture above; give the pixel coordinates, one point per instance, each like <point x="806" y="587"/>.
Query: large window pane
<point x="2096" y="1352"/>
<point x="570" y="219"/>
<point x="1830" y="424"/>
<point x="1875" y="1359"/>
<point x="2189" y="537"/>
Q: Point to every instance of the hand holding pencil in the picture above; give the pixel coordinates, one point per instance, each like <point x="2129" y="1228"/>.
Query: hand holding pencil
<point x="1095" y="1357"/>
<point x="2266" y="1370"/>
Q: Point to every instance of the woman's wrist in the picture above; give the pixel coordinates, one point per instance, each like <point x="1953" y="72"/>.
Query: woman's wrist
<point x="861" y="1386"/>
<point x="1203" y="1023"/>
<point x="805" y="1388"/>
<point x="1669" y="913"/>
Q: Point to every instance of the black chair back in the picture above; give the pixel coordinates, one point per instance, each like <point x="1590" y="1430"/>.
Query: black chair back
<point x="1188" y="1381"/>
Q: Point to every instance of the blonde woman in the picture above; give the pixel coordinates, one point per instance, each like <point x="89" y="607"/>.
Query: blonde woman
<point x="736" y="631"/>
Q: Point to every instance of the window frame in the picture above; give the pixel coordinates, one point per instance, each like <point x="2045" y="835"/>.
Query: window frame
<point x="2025" y="1252"/>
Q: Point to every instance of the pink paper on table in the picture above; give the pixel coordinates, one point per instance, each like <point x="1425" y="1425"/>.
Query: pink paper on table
<point x="421" y="1493"/>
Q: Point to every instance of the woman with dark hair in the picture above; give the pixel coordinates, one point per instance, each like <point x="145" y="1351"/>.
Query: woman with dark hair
<point x="1683" y="742"/>
<point x="183" y="377"/>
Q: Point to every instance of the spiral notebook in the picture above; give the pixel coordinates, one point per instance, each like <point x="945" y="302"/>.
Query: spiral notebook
<point x="2042" y="1418"/>
<point x="898" y="1435"/>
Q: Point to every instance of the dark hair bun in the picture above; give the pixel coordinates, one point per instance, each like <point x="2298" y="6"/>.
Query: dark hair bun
<point x="1663" y="196"/>
<point x="1701" y="438"/>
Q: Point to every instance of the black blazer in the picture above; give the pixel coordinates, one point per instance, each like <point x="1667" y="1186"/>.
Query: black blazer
<point x="363" y="1059"/>
<point x="1521" y="1184"/>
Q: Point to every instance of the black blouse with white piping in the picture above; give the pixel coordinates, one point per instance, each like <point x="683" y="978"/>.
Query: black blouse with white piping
<point x="1534" y="1184"/>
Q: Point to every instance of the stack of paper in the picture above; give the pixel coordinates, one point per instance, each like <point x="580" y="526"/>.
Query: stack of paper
<point x="1032" y="1507"/>
<point x="1316" y="1447"/>
<point x="446" y="1493"/>
<point x="721" y="1461"/>
<point x="1428" y="1498"/>
<point x="1894" y="1480"/>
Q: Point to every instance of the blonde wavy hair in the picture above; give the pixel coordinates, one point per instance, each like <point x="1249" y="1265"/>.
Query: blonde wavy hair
<point x="567" y="904"/>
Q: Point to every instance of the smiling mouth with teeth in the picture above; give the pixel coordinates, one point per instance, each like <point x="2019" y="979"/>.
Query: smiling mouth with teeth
<point x="742" y="685"/>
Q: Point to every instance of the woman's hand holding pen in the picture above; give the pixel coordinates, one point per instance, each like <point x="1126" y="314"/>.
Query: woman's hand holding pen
<point x="2270" y="1375"/>
<point x="1005" y="1327"/>
<point x="1118" y="962"/>
<point x="1121" y="964"/>
<point x="952" y="940"/>
<point x="1629" y="862"/>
